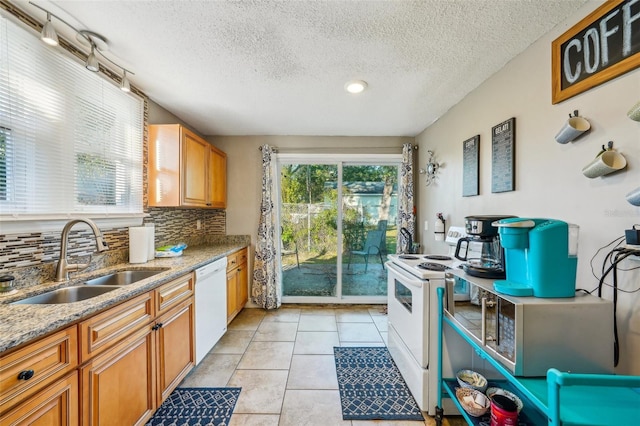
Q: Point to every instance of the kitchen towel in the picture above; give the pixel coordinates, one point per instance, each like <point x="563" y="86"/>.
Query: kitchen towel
<point x="371" y="386"/>
<point x="151" y="241"/>
<point x="138" y="241"/>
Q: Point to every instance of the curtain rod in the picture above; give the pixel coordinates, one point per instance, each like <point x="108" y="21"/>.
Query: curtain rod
<point x="333" y="150"/>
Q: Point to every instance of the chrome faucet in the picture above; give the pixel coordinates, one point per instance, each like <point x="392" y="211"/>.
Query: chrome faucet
<point x="63" y="268"/>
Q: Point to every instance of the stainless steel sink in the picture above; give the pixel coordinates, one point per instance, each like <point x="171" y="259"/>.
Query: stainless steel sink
<point x="65" y="295"/>
<point x="124" y="277"/>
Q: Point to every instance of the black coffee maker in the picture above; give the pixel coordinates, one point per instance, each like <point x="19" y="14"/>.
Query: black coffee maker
<point x="481" y="250"/>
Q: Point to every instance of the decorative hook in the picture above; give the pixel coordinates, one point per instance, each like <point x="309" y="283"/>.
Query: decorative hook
<point x="575" y="113"/>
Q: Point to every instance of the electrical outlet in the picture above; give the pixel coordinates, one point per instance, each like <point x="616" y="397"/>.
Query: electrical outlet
<point x="198" y="224"/>
<point x="426" y="225"/>
<point x="635" y="257"/>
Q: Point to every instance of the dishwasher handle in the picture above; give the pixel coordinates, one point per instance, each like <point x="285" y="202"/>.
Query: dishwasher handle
<point x="211" y="268"/>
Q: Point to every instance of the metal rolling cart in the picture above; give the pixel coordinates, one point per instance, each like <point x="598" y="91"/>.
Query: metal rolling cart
<point x="560" y="398"/>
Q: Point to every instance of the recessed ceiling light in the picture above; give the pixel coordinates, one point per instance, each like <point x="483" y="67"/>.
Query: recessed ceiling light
<point x="355" y="86"/>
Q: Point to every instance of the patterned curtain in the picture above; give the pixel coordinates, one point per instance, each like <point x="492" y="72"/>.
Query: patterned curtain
<point x="406" y="215"/>
<point x="264" y="290"/>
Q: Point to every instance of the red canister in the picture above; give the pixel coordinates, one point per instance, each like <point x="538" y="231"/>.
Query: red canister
<point x="504" y="412"/>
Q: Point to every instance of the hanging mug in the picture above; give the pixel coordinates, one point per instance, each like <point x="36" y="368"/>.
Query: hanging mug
<point x="606" y="162"/>
<point x="573" y="127"/>
<point x="634" y="197"/>
<point x="634" y="112"/>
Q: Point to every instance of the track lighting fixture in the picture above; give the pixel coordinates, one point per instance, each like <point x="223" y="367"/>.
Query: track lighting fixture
<point x="92" y="62"/>
<point x="97" y="43"/>
<point x="48" y="34"/>
<point x="124" y="84"/>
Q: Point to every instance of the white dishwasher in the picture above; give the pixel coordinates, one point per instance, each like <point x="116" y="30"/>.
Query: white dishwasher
<point x="211" y="306"/>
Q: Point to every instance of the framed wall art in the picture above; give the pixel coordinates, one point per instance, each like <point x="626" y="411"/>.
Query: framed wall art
<point x="602" y="46"/>
<point x="471" y="166"/>
<point x="503" y="155"/>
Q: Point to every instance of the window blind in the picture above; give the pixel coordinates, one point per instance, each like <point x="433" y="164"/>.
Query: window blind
<point x="70" y="141"/>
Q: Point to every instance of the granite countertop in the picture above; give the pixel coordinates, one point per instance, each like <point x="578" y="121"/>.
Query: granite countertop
<point x="22" y="323"/>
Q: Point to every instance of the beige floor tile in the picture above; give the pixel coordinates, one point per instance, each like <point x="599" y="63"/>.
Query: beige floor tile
<point x="254" y="420"/>
<point x="312" y="372"/>
<point x="363" y="344"/>
<point x="267" y="356"/>
<point x="283" y="315"/>
<point x="317" y="311"/>
<point x="381" y="322"/>
<point x="213" y="371"/>
<point x="312" y="408"/>
<point x="316" y="342"/>
<point x="447" y="421"/>
<point x="317" y="323"/>
<point x="262" y="390"/>
<point x="358" y="332"/>
<point x="233" y="342"/>
<point x="353" y="315"/>
<point x="247" y="319"/>
<point x="276" y="332"/>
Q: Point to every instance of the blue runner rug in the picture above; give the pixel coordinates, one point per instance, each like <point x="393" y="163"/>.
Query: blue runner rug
<point x="371" y="386"/>
<point x="196" y="406"/>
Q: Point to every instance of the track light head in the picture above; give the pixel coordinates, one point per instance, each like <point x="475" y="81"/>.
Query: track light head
<point x="124" y="84"/>
<point x="48" y="34"/>
<point x="92" y="61"/>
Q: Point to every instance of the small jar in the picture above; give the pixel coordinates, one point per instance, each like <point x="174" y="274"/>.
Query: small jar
<point x="504" y="412"/>
<point x="6" y="283"/>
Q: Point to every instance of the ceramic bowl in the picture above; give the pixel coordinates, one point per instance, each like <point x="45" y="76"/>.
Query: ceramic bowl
<point x="499" y="391"/>
<point x="472" y="380"/>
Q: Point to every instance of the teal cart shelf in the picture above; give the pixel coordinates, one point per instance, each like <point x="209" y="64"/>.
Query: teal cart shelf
<point x="558" y="399"/>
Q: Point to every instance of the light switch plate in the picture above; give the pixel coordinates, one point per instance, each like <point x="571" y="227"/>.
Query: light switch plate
<point x="426" y="225"/>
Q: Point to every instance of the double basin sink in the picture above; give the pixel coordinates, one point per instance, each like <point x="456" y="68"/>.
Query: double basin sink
<point x="90" y="288"/>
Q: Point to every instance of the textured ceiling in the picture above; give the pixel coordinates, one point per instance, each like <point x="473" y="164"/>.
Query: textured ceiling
<point x="279" y="67"/>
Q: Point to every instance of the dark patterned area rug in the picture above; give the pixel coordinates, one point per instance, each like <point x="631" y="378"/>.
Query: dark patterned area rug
<point x="196" y="406"/>
<point x="371" y="387"/>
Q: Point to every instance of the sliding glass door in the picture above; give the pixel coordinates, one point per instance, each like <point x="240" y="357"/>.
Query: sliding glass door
<point x="338" y="223"/>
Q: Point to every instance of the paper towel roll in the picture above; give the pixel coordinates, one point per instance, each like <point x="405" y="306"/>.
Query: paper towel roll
<point x="151" y="242"/>
<point x="138" y="242"/>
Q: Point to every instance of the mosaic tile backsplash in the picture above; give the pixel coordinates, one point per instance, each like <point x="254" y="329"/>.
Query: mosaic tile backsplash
<point x="35" y="254"/>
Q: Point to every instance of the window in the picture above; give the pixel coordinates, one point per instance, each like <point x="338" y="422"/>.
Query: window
<point x="70" y="140"/>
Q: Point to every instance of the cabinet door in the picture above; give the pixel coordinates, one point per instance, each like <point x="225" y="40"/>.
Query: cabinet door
<point x="217" y="178"/>
<point x="195" y="153"/>
<point x="37" y="365"/>
<point x="176" y="347"/>
<point x="56" y="405"/>
<point x="243" y="283"/>
<point x="164" y="165"/>
<point x="118" y="386"/>
<point x="232" y="295"/>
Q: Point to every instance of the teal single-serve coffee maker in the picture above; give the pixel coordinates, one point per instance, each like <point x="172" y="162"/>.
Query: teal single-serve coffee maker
<point x="541" y="257"/>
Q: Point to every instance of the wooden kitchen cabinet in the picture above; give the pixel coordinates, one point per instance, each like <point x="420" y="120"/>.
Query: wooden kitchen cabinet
<point x="237" y="283"/>
<point x="35" y="367"/>
<point x="119" y="385"/>
<point x="184" y="169"/>
<point x="57" y="405"/>
<point x="175" y="347"/>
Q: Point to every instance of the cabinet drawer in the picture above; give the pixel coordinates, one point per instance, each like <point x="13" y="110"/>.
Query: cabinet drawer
<point x="103" y="330"/>
<point x="172" y="293"/>
<point x="236" y="259"/>
<point x="37" y="365"/>
<point x="57" y="405"/>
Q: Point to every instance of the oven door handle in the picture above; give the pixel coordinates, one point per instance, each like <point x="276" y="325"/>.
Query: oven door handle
<point x="406" y="279"/>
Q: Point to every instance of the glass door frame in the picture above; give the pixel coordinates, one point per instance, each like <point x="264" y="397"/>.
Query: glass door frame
<point x="340" y="160"/>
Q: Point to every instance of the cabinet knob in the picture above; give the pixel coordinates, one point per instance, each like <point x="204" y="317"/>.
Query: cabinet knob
<point x="26" y="374"/>
<point x="157" y="327"/>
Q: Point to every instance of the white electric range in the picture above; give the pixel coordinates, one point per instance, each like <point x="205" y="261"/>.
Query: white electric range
<point x="413" y="317"/>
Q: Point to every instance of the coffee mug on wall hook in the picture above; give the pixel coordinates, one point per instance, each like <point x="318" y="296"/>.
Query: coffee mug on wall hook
<point x="634" y="112"/>
<point x="607" y="161"/>
<point x="572" y="128"/>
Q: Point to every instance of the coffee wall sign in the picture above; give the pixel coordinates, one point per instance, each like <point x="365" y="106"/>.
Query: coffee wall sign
<point x="602" y="46"/>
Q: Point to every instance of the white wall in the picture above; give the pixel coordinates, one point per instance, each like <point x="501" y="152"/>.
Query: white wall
<point x="549" y="182"/>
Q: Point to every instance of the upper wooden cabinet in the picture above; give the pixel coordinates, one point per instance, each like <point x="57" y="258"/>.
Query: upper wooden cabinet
<point x="184" y="169"/>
